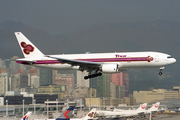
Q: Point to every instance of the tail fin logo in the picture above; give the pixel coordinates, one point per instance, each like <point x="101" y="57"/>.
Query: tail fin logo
<point x="66" y="114"/>
<point x="27" y="48"/>
<point x="143" y="106"/>
<point x="25" y="117"/>
<point x="156" y="106"/>
<point x="91" y="114"/>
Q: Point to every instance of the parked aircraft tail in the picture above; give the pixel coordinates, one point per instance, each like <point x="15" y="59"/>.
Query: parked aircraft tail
<point x="154" y="107"/>
<point x="142" y="107"/>
<point x="90" y="115"/>
<point x="66" y="115"/>
<point x="26" y="116"/>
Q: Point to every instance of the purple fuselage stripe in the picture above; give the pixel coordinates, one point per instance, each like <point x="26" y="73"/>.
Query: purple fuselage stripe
<point x="131" y="59"/>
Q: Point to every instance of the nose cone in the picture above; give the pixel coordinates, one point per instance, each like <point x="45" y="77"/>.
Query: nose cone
<point x="172" y="60"/>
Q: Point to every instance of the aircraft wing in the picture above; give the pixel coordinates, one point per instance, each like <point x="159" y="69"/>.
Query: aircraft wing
<point x="83" y="64"/>
<point x="141" y="113"/>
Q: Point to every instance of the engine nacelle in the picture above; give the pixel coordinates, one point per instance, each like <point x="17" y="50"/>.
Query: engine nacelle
<point x="110" y="68"/>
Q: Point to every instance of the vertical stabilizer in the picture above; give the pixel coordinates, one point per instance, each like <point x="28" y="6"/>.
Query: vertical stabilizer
<point x="142" y="107"/>
<point x="66" y="115"/>
<point x="154" y="107"/>
<point x="26" y="116"/>
<point x="28" y="49"/>
<point x="90" y="115"/>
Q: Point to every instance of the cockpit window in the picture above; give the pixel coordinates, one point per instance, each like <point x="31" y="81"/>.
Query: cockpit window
<point x="169" y="57"/>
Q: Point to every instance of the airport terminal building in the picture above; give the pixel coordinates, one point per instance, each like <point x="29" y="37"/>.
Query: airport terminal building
<point x="157" y="94"/>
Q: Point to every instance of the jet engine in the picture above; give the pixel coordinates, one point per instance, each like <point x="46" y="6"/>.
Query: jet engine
<point x="110" y="68"/>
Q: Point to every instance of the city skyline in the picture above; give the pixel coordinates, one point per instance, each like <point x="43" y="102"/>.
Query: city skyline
<point x="63" y="72"/>
<point x="20" y="76"/>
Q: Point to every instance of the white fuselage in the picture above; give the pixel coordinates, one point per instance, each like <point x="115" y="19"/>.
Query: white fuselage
<point x="111" y="114"/>
<point x="124" y="60"/>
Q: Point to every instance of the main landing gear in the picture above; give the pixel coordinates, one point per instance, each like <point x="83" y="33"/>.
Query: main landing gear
<point x="160" y="72"/>
<point x="92" y="76"/>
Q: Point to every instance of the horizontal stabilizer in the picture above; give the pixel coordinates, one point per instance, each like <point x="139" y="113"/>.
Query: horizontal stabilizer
<point x="25" y="61"/>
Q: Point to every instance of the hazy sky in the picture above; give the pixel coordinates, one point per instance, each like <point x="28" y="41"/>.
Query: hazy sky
<point x="61" y="16"/>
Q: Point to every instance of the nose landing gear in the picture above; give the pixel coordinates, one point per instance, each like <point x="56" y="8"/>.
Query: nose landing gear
<point x="160" y="72"/>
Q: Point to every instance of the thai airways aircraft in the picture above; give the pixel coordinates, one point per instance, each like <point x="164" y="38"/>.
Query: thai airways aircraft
<point x="96" y="63"/>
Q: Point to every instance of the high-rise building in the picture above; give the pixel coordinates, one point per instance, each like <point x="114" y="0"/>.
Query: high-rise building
<point x="112" y="90"/>
<point x="35" y="81"/>
<point x="4" y="83"/>
<point x="14" y="82"/>
<point x="64" y="79"/>
<point x="121" y="79"/>
<point x="120" y="91"/>
<point x="93" y="82"/>
<point x="103" y="86"/>
<point x="45" y="76"/>
<point x="117" y="78"/>
<point x="80" y="79"/>
<point x="24" y="80"/>
<point x="126" y="83"/>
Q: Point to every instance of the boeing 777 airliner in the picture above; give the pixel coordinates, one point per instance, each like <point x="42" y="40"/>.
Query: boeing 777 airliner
<point x="94" y="63"/>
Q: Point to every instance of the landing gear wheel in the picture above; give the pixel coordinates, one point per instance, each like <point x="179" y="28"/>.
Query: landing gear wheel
<point x="86" y="77"/>
<point x="92" y="76"/>
<point x="160" y="73"/>
<point x="99" y="74"/>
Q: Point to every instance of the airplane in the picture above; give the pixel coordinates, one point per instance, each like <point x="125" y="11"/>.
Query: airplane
<point x="154" y="108"/>
<point x="141" y="107"/>
<point x="26" y="116"/>
<point x="94" y="63"/>
<point x="121" y="113"/>
<point x="128" y="113"/>
<point x="66" y="115"/>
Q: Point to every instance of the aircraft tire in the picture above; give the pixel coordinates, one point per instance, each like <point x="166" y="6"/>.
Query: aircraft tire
<point x="160" y="73"/>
